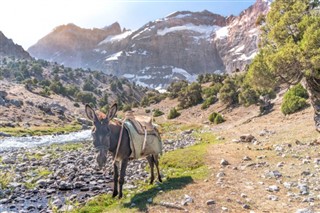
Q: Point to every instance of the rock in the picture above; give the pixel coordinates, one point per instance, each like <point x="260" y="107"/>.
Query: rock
<point x="79" y="184"/>
<point x="248" y="138"/>
<point x="149" y="200"/>
<point x="280" y="164"/>
<point x="187" y="199"/>
<point x="58" y="203"/>
<point x="224" y="162"/>
<point x="274" y="174"/>
<point x="236" y="140"/>
<point x="3" y="94"/>
<point x="288" y="185"/>
<point x="309" y="200"/>
<point x="243" y="195"/>
<point x="187" y="132"/>
<point x="305" y="161"/>
<point x="305" y="173"/>
<point x="304" y="211"/>
<point x="65" y="186"/>
<point x="273" y="188"/>
<point x="225" y="209"/>
<point x="16" y="103"/>
<point x="220" y="174"/>
<point x="8" y="160"/>
<point x="273" y="197"/>
<point x="245" y="206"/>
<point x="66" y="208"/>
<point x="42" y="182"/>
<point x="2" y="101"/>
<point x="246" y="158"/>
<point x="84" y="121"/>
<point x="50" y="191"/>
<point x="4" y="201"/>
<point x="210" y="202"/>
<point x="317" y="161"/>
<point x="220" y="138"/>
<point x="304" y="189"/>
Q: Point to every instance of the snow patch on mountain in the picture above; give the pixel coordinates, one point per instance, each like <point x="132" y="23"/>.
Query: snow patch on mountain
<point x="188" y="76"/>
<point x="203" y="29"/>
<point x="243" y="57"/>
<point x="222" y="33"/>
<point x="116" y="38"/>
<point x="114" y="56"/>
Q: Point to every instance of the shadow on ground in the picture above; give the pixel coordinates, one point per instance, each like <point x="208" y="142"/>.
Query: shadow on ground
<point x="141" y="199"/>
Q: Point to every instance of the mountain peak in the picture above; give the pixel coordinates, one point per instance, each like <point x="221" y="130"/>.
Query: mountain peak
<point x="9" y="48"/>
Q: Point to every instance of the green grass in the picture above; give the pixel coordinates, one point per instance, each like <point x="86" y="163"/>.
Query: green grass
<point x="5" y="178"/>
<point x="68" y="146"/>
<point x="36" y="175"/>
<point x="0" y="159"/>
<point x="40" y="130"/>
<point x="180" y="167"/>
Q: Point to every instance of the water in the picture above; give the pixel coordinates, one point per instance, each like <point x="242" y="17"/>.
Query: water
<point x="32" y="141"/>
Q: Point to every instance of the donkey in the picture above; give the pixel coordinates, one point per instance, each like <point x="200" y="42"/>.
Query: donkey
<point x="106" y="135"/>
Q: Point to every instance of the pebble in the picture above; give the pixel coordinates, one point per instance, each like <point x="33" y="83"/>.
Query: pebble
<point x="210" y="202"/>
<point x="273" y="197"/>
<point x="224" y="162"/>
<point x="273" y="188"/>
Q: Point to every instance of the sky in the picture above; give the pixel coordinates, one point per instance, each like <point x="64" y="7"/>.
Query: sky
<point x="27" y="21"/>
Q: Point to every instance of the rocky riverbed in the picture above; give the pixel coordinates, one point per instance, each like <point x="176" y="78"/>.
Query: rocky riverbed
<point x="39" y="179"/>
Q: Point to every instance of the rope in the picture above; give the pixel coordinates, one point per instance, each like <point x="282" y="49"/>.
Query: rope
<point x="119" y="142"/>
<point x="144" y="142"/>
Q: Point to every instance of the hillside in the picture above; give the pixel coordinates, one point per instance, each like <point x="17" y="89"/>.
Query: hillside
<point x="39" y="93"/>
<point x="178" y="46"/>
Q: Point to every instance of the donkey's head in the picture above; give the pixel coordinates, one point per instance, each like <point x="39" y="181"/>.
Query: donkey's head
<point x="101" y="132"/>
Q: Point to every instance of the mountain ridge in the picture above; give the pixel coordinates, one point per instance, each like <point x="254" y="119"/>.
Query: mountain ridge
<point x="190" y="42"/>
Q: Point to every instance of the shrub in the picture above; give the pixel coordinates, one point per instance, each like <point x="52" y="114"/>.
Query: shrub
<point x="208" y="102"/>
<point x="147" y="110"/>
<point x="212" y="116"/>
<point x="228" y="92"/>
<point x="248" y="96"/>
<point x="190" y="96"/>
<point x="299" y="90"/>
<point x="173" y="113"/>
<point x="216" y="118"/>
<point x="292" y="103"/>
<point x="85" y="97"/>
<point x="176" y="87"/>
<point x="212" y="90"/>
<point x="157" y="113"/>
<point x="126" y="107"/>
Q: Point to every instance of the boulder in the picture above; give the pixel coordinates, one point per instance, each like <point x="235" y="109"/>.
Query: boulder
<point x="247" y="138"/>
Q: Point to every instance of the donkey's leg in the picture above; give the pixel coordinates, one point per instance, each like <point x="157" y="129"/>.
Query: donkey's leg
<point x="151" y="163"/>
<point x="124" y="164"/>
<point x="115" y="179"/>
<point x="156" y="162"/>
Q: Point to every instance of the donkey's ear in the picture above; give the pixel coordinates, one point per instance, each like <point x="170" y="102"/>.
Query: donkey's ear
<point x="112" y="112"/>
<point x="90" y="113"/>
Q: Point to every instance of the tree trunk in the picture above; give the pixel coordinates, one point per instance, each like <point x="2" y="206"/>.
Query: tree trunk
<point x="313" y="86"/>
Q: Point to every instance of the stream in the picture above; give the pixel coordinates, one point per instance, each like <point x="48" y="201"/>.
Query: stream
<point x="9" y="143"/>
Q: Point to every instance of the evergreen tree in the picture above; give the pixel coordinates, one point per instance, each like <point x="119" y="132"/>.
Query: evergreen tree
<point x="290" y="48"/>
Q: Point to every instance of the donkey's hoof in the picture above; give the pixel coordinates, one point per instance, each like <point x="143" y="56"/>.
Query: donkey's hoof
<point x="114" y="194"/>
<point x="120" y="196"/>
<point x="160" y="180"/>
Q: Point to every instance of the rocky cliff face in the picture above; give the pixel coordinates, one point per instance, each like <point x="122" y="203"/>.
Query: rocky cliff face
<point x="237" y="42"/>
<point x="179" y="46"/>
<point x="8" y="48"/>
